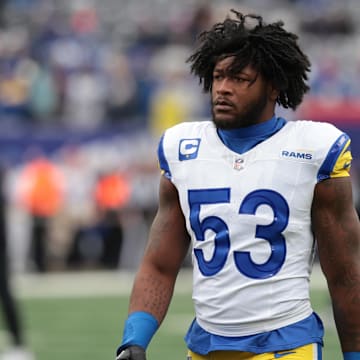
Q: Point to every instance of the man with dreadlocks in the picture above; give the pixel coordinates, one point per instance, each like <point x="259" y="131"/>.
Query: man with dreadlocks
<point x="250" y="192"/>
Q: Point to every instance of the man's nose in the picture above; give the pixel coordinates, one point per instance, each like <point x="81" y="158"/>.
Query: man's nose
<point x="224" y="87"/>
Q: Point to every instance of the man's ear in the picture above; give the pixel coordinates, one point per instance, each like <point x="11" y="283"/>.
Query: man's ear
<point x="273" y="92"/>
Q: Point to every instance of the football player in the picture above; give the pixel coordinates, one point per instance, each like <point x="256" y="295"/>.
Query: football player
<point x="251" y="193"/>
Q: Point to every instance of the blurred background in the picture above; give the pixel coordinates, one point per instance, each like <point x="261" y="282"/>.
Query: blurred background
<point x="88" y="86"/>
<point x="86" y="89"/>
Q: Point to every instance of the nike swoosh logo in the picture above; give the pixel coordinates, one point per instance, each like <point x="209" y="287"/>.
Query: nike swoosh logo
<point x="280" y="355"/>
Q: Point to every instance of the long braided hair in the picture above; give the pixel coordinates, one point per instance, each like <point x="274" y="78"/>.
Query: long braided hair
<point x="269" y="48"/>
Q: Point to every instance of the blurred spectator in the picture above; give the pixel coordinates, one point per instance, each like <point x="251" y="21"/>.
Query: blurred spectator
<point x="327" y="81"/>
<point x="15" y="71"/>
<point x="43" y="95"/>
<point x="176" y="97"/>
<point x="112" y="193"/>
<point x="41" y="193"/>
<point x="14" y="93"/>
<point x="122" y="89"/>
<point x="100" y="242"/>
<point x="201" y="20"/>
<point x="2" y="7"/>
<point x="78" y="208"/>
<point x="85" y="99"/>
<point x="338" y="22"/>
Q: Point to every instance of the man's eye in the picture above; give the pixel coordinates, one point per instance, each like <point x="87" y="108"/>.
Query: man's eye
<point x="239" y="79"/>
<point x="217" y="77"/>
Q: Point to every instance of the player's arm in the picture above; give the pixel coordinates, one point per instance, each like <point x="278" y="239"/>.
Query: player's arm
<point x="154" y="283"/>
<point x="337" y="231"/>
<point x="164" y="255"/>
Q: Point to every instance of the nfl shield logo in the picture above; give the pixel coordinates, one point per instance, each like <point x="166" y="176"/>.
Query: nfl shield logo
<point x="238" y="164"/>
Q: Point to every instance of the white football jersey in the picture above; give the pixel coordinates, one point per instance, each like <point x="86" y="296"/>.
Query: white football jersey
<point x="249" y="217"/>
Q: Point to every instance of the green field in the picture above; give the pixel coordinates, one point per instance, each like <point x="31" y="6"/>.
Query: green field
<point x="80" y="317"/>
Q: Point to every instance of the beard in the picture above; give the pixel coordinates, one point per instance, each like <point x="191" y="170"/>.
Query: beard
<point x="249" y="115"/>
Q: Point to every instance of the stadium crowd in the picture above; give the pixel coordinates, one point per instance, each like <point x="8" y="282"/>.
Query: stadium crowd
<point x="83" y="64"/>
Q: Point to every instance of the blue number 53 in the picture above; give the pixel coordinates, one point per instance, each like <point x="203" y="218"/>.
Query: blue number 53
<point x="271" y="232"/>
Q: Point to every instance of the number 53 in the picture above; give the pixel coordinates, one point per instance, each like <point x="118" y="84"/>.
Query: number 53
<point x="271" y="232"/>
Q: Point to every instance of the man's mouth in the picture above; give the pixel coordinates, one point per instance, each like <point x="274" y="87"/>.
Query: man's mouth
<point x="223" y="105"/>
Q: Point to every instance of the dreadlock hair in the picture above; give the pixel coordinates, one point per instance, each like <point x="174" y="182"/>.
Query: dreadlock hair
<point x="269" y="48"/>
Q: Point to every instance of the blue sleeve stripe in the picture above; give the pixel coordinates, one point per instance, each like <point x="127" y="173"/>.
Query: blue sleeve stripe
<point x="163" y="163"/>
<point x="332" y="156"/>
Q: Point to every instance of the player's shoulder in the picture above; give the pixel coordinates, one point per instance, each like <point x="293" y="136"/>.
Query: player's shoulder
<point x="314" y="125"/>
<point x="189" y="128"/>
<point x="319" y="131"/>
<point x="182" y="138"/>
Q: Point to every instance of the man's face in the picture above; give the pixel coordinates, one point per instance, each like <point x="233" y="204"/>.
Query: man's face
<point x="241" y="99"/>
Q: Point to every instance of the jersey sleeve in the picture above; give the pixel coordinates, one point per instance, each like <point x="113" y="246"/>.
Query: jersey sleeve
<point x="163" y="163"/>
<point x="338" y="160"/>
